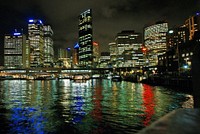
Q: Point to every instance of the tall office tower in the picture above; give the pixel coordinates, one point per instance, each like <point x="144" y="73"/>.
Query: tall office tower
<point x="36" y="41"/>
<point x="193" y="24"/>
<point x="128" y="42"/>
<point x="95" y="54"/>
<point x="26" y="53"/>
<point x="177" y="36"/>
<point x="155" y="41"/>
<point x="85" y="39"/>
<point x="113" y="52"/>
<point x="15" y="51"/>
<point x="48" y="46"/>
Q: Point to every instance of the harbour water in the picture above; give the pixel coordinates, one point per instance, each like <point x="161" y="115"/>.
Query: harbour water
<point x="90" y="107"/>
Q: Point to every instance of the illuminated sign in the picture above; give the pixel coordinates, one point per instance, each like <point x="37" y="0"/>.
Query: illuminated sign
<point x="30" y="20"/>
<point x="16" y="34"/>
<point x="76" y="46"/>
<point x="40" y="21"/>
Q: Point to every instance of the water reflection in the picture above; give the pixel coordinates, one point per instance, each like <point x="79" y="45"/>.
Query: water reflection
<point x="149" y="104"/>
<point x="93" y="106"/>
<point x="27" y="120"/>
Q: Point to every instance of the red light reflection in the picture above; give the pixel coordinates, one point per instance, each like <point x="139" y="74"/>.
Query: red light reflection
<point x="97" y="111"/>
<point x="149" y="104"/>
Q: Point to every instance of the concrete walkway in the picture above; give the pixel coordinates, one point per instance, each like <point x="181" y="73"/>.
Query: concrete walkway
<point x="181" y="121"/>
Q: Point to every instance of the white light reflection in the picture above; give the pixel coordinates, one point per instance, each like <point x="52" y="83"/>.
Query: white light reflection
<point x="16" y="92"/>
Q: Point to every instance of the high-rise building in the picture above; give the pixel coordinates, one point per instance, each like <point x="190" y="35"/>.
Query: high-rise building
<point x="15" y="50"/>
<point x="155" y="41"/>
<point x="177" y="36"/>
<point x="26" y="54"/>
<point x="48" y="46"/>
<point x="62" y="53"/>
<point x="75" y="55"/>
<point x="193" y="24"/>
<point x="85" y="39"/>
<point x="104" y="60"/>
<point x="128" y="43"/>
<point x="36" y="41"/>
<point x="113" y="52"/>
<point x="95" y="54"/>
<point x="63" y="59"/>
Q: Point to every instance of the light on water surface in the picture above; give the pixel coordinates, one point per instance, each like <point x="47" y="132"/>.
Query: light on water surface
<point x="93" y="106"/>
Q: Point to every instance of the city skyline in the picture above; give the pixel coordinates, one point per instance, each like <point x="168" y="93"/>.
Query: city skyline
<point x="109" y="17"/>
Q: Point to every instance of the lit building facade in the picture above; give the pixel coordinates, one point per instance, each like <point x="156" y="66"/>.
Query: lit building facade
<point x="48" y="46"/>
<point x="155" y="41"/>
<point x="36" y="41"/>
<point x="104" y="60"/>
<point x="63" y="59"/>
<point x="113" y="52"/>
<point x="177" y="36"/>
<point x="15" y="51"/>
<point x="95" y="54"/>
<point x="62" y="53"/>
<point x="85" y="39"/>
<point x="26" y="54"/>
<point x="128" y="45"/>
<point x="193" y="24"/>
<point x="75" y="55"/>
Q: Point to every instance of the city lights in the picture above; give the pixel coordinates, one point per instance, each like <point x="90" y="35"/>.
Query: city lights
<point x="114" y="70"/>
<point x="17" y="34"/>
<point x="76" y="46"/>
<point x="31" y="21"/>
<point x="171" y="31"/>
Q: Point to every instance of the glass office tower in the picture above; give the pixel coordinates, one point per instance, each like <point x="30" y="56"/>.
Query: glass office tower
<point x="155" y="41"/>
<point x="36" y="41"/>
<point x="85" y="39"/>
<point x="48" y="46"/>
<point x="14" y="51"/>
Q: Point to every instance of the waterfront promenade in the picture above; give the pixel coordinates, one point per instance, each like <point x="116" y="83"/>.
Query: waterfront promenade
<point x="181" y="121"/>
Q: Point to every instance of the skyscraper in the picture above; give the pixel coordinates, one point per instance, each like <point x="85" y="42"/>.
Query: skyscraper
<point x="85" y="39"/>
<point x="155" y="41"/>
<point x="36" y="41"/>
<point x="95" y="53"/>
<point x="15" y="51"/>
<point x="128" y="43"/>
<point x="177" y="36"/>
<point x="75" y="55"/>
<point x="113" y="52"/>
<point x="64" y="60"/>
<point x="48" y="46"/>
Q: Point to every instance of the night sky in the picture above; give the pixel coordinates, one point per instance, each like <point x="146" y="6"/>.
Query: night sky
<point x="109" y="16"/>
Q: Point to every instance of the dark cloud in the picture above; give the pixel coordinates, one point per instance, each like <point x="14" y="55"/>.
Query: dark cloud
<point x="109" y="16"/>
